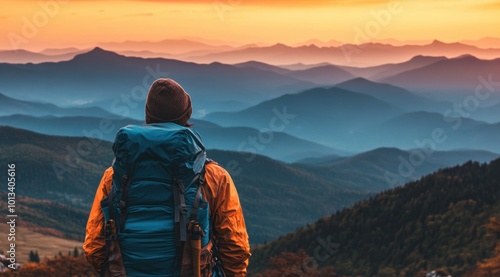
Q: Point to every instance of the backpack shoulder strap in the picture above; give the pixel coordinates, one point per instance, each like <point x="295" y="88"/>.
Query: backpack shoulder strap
<point x="123" y="202"/>
<point x="181" y="228"/>
<point x="197" y="200"/>
<point x="180" y="212"/>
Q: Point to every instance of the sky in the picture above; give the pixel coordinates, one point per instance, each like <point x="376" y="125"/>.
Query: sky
<point x="39" y="24"/>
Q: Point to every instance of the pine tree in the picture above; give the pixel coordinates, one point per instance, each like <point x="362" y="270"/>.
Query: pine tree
<point x="33" y="257"/>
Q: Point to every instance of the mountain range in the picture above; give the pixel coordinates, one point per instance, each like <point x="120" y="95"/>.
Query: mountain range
<point x="488" y="114"/>
<point x="356" y="115"/>
<point x="277" y="145"/>
<point x="390" y="69"/>
<point x="443" y="76"/>
<point x="322" y="75"/>
<point x="393" y="95"/>
<point x="120" y="83"/>
<point x="167" y="47"/>
<point x="390" y="167"/>
<point x="306" y="132"/>
<point x="446" y="133"/>
<point x="276" y="196"/>
<point x="67" y="170"/>
<point x="436" y="222"/>
<point x="368" y="54"/>
<point x="10" y="106"/>
<point x="359" y="115"/>
<point x="326" y="116"/>
<point x="312" y="51"/>
<point x="20" y="56"/>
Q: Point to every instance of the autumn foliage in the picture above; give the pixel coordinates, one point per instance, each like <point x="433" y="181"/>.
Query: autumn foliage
<point x="62" y="266"/>
<point x="491" y="267"/>
<point x="298" y="264"/>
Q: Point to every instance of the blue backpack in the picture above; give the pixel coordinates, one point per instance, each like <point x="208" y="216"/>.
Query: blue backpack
<point x="155" y="201"/>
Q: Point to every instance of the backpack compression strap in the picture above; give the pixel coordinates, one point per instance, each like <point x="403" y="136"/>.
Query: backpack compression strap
<point x="181" y="212"/>
<point x="123" y="202"/>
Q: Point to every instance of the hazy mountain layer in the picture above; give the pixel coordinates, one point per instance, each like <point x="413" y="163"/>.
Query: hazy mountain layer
<point x="277" y="145"/>
<point x="276" y="197"/>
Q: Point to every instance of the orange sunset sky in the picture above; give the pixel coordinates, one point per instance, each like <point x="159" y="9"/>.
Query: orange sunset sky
<point x="40" y="24"/>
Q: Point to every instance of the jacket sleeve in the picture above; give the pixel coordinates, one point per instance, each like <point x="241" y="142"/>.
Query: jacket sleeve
<point x="94" y="245"/>
<point x="227" y="218"/>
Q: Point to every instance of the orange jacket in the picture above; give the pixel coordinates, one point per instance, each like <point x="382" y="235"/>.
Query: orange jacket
<point x="225" y="212"/>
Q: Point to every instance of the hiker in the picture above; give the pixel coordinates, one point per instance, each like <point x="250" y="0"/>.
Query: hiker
<point x="163" y="208"/>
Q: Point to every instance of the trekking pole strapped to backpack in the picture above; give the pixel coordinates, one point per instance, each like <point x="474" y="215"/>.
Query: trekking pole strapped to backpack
<point x="196" y="235"/>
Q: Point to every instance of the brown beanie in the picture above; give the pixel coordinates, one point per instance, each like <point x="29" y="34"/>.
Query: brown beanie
<point x="167" y="101"/>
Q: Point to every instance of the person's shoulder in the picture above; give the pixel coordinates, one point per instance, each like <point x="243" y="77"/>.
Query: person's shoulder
<point x="108" y="173"/>
<point x="216" y="177"/>
<point x="214" y="169"/>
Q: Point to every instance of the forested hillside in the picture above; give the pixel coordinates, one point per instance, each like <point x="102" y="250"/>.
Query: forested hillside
<point x="436" y="222"/>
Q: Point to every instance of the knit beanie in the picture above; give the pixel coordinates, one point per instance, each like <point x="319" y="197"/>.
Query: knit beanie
<point x="167" y="101"/>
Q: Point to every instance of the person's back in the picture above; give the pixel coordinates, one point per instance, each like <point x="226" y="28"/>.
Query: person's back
<point x="153" y="185"/>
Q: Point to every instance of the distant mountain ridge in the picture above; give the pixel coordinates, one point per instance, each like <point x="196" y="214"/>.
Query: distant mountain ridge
<point x="390" y="167"/>
<point x="324" y="115"/>
<point x="390" y="69"/>
<point x="120" y="83"/>
<point x="368" y="54"/>
<point x="322" y="75"/>
<point x="348" y="124"/>
<point x="170" y="46"/>
<point x="393" y="95"/>
<point x="313" y="51"/>
<point x="9" y="106"/>
<point x="264" y="66"/>
<point x="359" y="115"/>
<point x="23" y="56"/>
<point x="443" y="76"/>
<point x="275" y="144"/>
<point x="414" y="129"/>
<point x="488" y="114"/>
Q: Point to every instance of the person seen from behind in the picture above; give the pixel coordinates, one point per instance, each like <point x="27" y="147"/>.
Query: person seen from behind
<point x="163" y="208"/>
